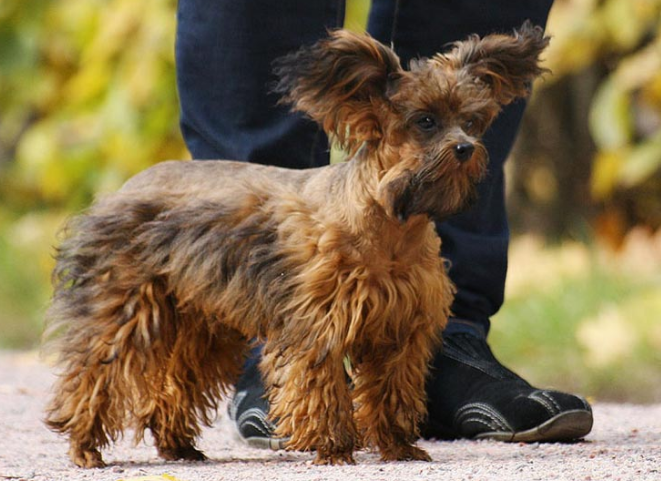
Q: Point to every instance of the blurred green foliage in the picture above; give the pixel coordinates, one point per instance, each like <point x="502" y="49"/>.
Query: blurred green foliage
<point x="88" y="98"/>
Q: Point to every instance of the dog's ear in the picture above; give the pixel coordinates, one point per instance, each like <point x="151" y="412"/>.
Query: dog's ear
<point x="506" y="63"/>
<point x="341" y="82"/>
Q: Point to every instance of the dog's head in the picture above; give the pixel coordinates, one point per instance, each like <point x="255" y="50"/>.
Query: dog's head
<point x="420" y="128"/>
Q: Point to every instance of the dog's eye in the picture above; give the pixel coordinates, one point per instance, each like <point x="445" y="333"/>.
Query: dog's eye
<point x="426" y="122"/>
<point x="471" y="125"/>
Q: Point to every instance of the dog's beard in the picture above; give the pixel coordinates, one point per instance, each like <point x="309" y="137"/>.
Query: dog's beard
<point x="438" y="194"/>
<point x="440" y="214"/>
<point x="437" y="200"/>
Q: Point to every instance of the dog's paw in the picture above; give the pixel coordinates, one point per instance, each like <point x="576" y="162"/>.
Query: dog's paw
<point x="336" y="459"/>
<point x="86" y="458"/>
<point x="187" y="453"/>
<point x="404" y="453"/>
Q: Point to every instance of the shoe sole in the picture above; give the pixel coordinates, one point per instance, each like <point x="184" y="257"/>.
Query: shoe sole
<point x="274" y="444"/>
<point x="566" y="426"/>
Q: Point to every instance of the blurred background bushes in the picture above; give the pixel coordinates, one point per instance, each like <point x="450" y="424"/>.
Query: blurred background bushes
<point x="588" y="161"/>
<point x="87" y="98"/>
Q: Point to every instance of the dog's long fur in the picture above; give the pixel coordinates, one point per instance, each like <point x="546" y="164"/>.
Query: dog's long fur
<point x="160" y="287"/>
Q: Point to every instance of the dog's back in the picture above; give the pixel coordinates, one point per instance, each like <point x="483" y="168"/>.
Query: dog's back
<point x="211" y="178"/>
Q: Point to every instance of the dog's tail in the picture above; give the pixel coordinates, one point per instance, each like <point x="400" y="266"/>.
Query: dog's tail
<point x="90" y="263"/>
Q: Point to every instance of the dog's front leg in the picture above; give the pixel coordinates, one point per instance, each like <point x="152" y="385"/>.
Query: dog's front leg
<point x="310" y="401"/>
<point x="390" y="396"/>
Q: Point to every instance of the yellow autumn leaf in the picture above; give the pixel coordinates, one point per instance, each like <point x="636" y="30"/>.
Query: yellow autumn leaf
<point x="606" y="172"/>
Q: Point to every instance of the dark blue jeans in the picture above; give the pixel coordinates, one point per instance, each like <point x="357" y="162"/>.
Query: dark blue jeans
<point x="224" y="53"/>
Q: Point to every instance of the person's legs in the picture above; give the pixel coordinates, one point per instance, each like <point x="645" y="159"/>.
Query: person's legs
<point x="224" y="55"/>
<point x="470" y="393"/>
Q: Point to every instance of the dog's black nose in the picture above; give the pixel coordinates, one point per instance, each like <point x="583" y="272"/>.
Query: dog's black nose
<point x="464" y="151"/>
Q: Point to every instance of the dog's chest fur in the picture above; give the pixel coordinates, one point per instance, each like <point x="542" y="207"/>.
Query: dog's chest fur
<point x="370" y="284"/>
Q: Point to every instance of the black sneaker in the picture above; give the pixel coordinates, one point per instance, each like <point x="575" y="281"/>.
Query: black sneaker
<point x="471" y="395"/>
<point x="249" y="411"/>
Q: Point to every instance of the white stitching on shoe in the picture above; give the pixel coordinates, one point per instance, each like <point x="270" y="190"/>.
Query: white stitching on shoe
<point x="541" y="398"/>
<point x="548" y="396"/>
<point x="494" y="423"/>
<point x="259" y="427"/>
<point x="492" y="427"/>
<point x="234" y="404"/>
<point x="246" y="418"/>
<point x="481" y="409"/>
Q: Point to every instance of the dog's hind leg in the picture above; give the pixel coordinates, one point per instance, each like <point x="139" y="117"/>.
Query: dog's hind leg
<point x="204" y="359"/>
<point x="102" y="357"/>
<point x="128" y="355"/>
<point x="79" y="408"/>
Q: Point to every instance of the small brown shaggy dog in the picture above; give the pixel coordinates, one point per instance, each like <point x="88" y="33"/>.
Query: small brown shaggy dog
<point x="160" y="287"/>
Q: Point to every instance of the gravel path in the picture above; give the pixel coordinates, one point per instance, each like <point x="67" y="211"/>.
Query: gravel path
<point x="624" y="445"/>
